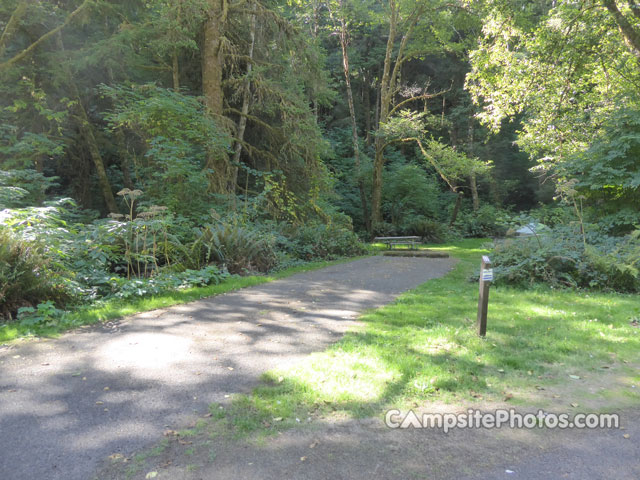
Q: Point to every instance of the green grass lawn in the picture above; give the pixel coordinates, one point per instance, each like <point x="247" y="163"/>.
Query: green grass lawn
<point x="423" y="348"/>
<point x="114" y="309"/>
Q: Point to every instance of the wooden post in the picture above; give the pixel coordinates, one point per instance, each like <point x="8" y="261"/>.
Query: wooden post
<point x="486" y="277"/>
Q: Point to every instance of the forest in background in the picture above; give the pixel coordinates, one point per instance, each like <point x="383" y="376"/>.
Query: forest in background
<point x="150" y="146"/>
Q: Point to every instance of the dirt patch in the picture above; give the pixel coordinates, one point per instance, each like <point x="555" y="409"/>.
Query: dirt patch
<point x="366" y="449"/>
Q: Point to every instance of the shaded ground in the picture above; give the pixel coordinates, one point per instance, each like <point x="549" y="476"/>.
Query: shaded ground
<point x="366" y="450"/>
<point x="65" y="404"/>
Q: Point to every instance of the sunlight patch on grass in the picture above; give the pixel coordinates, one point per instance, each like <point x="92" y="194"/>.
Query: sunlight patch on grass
<point x="343" y="376"/>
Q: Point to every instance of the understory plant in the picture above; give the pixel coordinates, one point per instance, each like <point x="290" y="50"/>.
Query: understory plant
<point x="165" y="281"/>
<point x="563" y="257"/>
<point x="24" y="279"/>
<point x="318" y="240"/>
<point x="238" y="248"/>
<point x="487" y="222"/>
<point x="146" y="251"/>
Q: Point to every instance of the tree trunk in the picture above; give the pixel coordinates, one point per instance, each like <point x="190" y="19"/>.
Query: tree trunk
<point x="354" y="125"/>
<point x="175" y="70"/>
<point x="316" y="18"/>
<point x="86" y="131"/>
<point x="125" y="165"/>
<point x="246" y="95"/>
<point x="376" y="108"/>
<point x="387" y="90"/>
<point x="376" y="190"/>
<point x="213" y="56"/>
<point x="103" y="180"/>
<point x="385" y="104"/>
<point x="212" y="68"/>
<point x="494" y="190"/>
<point x="472" y="176"/>
<point x="315" y="25"/>
<point x="473" y="184"/>
<point x="456" y="209"/>
<point x="366" y="106"/>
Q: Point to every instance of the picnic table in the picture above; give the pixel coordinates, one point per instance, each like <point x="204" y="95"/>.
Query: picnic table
<point x="391" y="241"/>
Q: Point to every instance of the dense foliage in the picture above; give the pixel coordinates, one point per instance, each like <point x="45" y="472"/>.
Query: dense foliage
<point x="563" y="258"/>
<point x="568" y="71"/>
<point x="23" y="274"/>
<point x="150" y="146"/>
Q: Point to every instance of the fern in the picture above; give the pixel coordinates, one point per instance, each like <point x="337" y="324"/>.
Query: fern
<point x="238" y="248"/>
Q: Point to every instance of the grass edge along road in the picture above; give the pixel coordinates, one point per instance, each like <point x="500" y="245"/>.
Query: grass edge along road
<point x="117" y="309"/>
<point x="423" y="348"/>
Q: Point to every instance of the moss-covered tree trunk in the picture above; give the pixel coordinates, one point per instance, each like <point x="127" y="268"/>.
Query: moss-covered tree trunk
<point x="354" y="124"/>
<point x="246" y="97"/>
<point x="175" y="70"/>
<point x="212" y="70"/>
<point x="385" y="105"/>
<point x="473" y="177"/>
<point x="456" y="208"/>
<point x="86" y="132"/>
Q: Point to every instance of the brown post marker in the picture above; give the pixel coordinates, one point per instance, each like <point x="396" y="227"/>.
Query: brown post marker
<point x="486" y="277"/>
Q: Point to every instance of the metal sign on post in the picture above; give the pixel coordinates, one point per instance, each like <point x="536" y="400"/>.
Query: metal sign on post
<point x="486" y="277"/>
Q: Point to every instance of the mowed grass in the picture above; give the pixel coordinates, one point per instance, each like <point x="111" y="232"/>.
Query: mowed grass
<point x="115" y="309"/>
<point x="424" y="348"/>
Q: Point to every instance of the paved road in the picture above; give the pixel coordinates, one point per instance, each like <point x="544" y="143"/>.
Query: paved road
<point x="65" y="404"/>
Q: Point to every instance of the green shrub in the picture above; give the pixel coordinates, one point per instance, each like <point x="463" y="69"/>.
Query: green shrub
<point x="165" y="281"/>
<point x="430" y="230"/>
<point x="552" y="215"/>
<point x="319" y="241"/>
<point x="488" y="221"/>
<point x="562" y="258"/>
<point x="45" y="315"/>
<point x="237" y="248"/>
<point x="179" y="139"/>
<point x="24" y="280"/>
<point x="384" y="229"/>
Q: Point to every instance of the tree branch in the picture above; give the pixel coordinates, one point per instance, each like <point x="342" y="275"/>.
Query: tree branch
<point x="12" y="25"/>
<point x="44" y="38"/>
<point x="629" y="33"/>
<point x="252" y="118"/>
<point x="424" y="96"/>
<point x="433" y="162"/>
<point x="635" y="8"/>
<point x="412" y="21"/>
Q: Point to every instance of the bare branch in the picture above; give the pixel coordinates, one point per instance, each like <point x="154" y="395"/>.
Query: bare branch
<point x="424" y="96"/>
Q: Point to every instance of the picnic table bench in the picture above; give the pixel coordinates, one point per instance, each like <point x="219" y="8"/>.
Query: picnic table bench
<point x="391" y="241"/>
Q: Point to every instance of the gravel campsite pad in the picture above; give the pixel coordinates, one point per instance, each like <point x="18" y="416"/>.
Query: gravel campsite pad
<point x="68" y="403"/>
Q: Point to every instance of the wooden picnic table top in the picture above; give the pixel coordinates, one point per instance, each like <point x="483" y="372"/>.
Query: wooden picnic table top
<point x="383" y="239"/>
